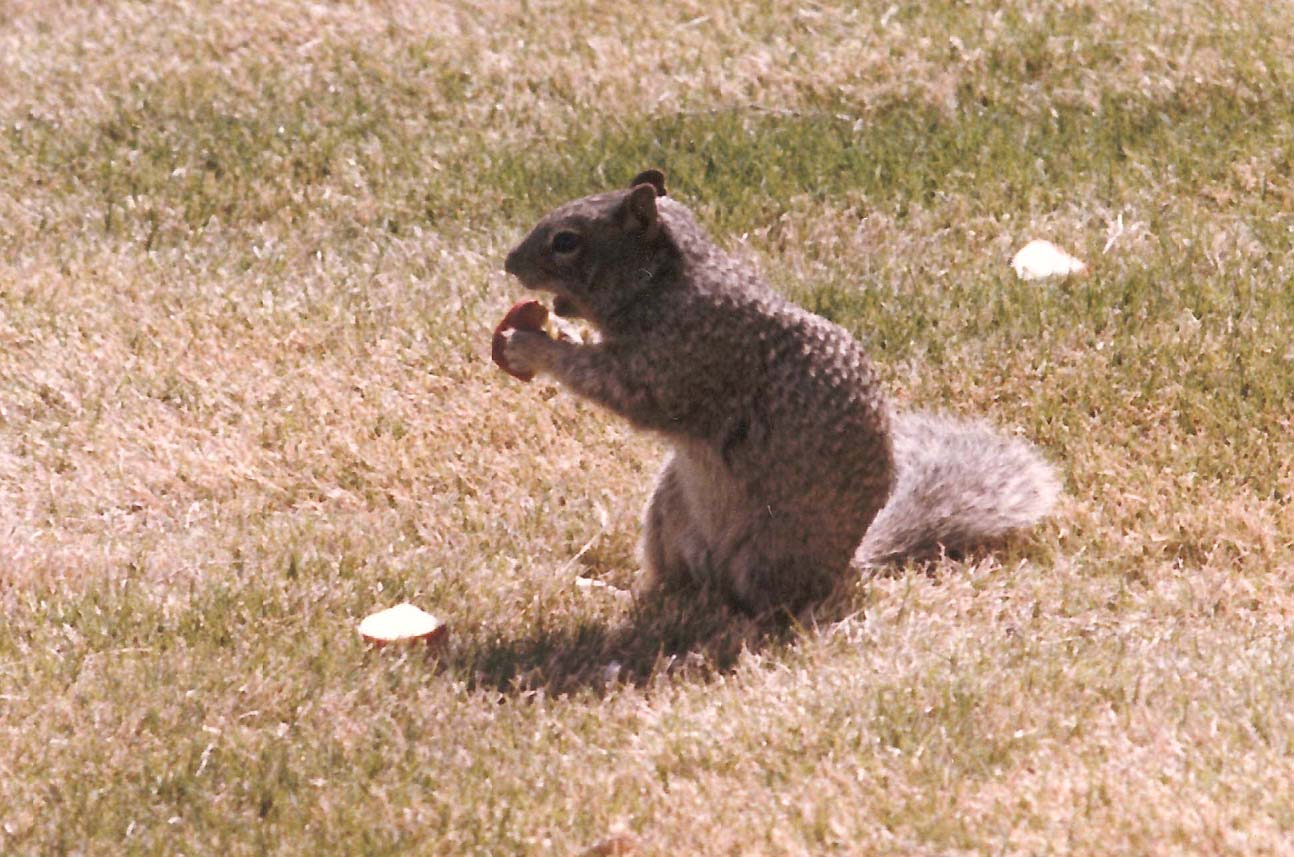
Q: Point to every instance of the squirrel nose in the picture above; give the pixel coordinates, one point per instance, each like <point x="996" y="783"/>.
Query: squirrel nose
<point x="511" y="262"/>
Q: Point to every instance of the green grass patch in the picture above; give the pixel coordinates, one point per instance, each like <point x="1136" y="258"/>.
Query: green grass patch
<point x="168" y="160"/>
<point x="742" y="165"/>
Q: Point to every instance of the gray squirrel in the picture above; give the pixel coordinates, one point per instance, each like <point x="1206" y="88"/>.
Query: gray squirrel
<point x="789" y="470"/>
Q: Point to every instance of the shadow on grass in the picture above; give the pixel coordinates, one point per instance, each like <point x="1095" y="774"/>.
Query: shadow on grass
<point x="695" y="636"/>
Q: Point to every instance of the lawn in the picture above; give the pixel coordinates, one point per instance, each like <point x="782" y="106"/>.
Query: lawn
<point x="250" y="258"/>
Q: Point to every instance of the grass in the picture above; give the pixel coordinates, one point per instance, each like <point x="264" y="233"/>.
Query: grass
<point x="249" y="264"/>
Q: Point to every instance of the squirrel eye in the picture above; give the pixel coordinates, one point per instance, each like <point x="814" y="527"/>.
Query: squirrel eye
<point x="565" y="242"/>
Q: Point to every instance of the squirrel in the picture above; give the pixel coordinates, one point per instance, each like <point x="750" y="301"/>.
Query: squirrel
<point x="788" y="466"/>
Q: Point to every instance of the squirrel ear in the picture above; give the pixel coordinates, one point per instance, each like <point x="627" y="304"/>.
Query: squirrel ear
<point x="655" y="178"/>
<point x="639" y="208"/>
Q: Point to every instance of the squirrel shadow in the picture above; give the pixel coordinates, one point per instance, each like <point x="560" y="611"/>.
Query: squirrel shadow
<point x="695" y="635"/>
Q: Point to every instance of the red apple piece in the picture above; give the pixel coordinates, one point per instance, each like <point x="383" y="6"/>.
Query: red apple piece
<point x="524" y="315"/>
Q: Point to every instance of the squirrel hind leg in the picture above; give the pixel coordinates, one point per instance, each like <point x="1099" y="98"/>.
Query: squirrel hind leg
<point x="758" y="564"/>
<point x="766" y="573"/>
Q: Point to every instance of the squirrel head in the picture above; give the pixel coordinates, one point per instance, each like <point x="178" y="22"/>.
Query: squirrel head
<point x="598" y="254"/>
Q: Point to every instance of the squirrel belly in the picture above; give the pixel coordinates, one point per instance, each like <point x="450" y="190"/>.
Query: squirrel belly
<point x="788" y="467"/>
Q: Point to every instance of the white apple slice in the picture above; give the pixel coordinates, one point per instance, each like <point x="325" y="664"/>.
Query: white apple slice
<point x="400" y="624"/>
<point x="1040" y="259"/>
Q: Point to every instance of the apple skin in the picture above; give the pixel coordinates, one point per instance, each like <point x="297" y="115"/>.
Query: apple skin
<point x="524" y="315"/>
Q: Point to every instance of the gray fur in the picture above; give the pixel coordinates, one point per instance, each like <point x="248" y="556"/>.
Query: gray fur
<point x="783" y="451"/>
<point x="959" y="484"/>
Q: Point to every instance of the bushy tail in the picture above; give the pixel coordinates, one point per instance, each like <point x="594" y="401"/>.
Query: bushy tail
<point x="958" y="485"/>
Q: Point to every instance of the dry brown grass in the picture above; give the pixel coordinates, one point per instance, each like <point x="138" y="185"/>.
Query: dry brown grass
<point x="249" y="261"/>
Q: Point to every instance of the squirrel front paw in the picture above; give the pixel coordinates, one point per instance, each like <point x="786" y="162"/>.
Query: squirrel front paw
<point x="524" y="352"/>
